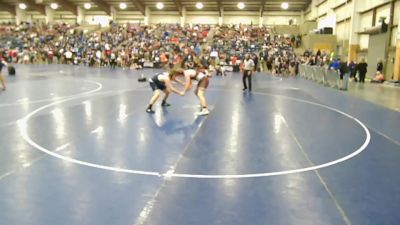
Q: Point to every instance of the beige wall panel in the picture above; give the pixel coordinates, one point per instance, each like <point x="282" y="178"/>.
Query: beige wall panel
<point x="202" y="19"/>
<point x="343" y="31"/>
<point x="337" y="2"/>
<point x="323" y="8"/>
<point x="343" y="12"/>
<point x="383" y="11"/>
<point x="280" y="20"/>
<point x="6" y="17"/>
<point x="164" y="19"/>
<point x="396" y="13"/>
<point x="364" y="40"/>
<point x="365" y="21"/>
<point x="63" y="20"/>
<point x="393" y="39"/>
<point x="241" y="19"/>
<point x="368" y="4"/>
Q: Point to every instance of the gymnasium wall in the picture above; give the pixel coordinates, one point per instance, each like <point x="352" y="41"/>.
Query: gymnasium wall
<point x="338" y="14"/>
<point x="228" y="18"/>
<point x="202" y="18"/>
<point x="396" y="13"/>
<point x="6" y="17"/>
<point x="368" y="4"/>
<point x="32" y="16"/>
<point x="343" y="30"/>
<point x="390" y="64"/>
<point x="64" y="17"/>
<point x="129" y="16"/>
<point x="279" y="18"/>
<point x="323" y="42"/>
<point x="377" y="46"/>
<point x="310" y="13"/>
<point x="231" y="19"/>
<point x="342" y="11"/>
<point x="212" y="18"/>
<point x="165" y="17"/>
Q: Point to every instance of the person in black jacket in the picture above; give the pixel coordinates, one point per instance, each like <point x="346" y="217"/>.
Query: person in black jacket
<point x="379" y="66"/>
<point x="343" y="69"/>
<point x="255" y="60"/>
<point x="353" y="70"/>
<point x="362" y="70"/>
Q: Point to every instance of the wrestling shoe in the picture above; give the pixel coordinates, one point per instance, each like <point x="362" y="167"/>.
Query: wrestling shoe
<point x="203" y="112"/>
<point x="164" y="104"/>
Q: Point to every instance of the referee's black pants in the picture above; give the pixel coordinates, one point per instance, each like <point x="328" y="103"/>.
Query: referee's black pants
<point x="246" y="75"/>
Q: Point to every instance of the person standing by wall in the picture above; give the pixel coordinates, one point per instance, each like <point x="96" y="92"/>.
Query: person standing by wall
<point x="344" y="71"/>
<point x="353" y="70"/>
<point x="248" y="68"/>
<point x="379" y="66"/>
<point x="362" y="70"/>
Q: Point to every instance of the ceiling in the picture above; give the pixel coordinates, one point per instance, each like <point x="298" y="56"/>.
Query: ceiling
<point x="169" y="5"/>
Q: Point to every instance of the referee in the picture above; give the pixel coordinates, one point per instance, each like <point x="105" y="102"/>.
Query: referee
<point x="247" y="71"/>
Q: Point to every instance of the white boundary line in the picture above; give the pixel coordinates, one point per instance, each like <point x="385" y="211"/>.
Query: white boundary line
<point x="56" y="98"/>
<point x="24" y="133"/>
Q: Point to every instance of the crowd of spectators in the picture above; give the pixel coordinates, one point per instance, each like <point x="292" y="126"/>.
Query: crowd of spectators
<point x="134" y="46"/>
<point x="127" y="46"/>
<point x="357" y="69"/>
<point x="271" y="52"/>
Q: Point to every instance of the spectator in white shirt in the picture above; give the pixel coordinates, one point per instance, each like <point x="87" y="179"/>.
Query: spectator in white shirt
<point x="68" y="56"/>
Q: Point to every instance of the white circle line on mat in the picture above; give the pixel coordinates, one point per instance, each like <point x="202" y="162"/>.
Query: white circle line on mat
<point x="55" y="98"/>
<point x="23" y="123"/>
